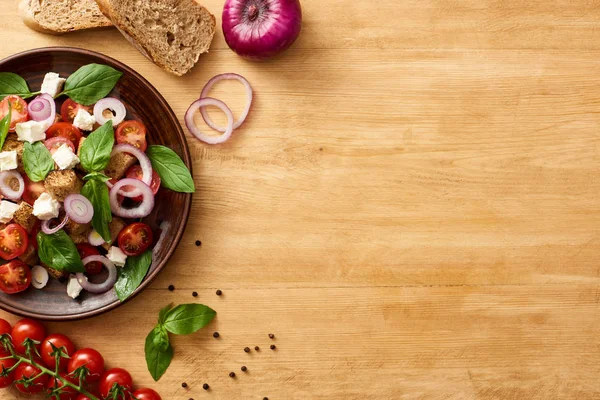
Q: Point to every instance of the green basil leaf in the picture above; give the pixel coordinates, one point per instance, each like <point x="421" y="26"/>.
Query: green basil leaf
<point x="163" y="314"/>
<point x="188" y="318"/>
<point x="132" y="274"/>
<point x="5" y="125"/>
<point x="13" y="84"/>
<point x="171" y="169"/>
<point x="59" y="252"/>
<point x="94" y="154"/>
<point x="96" y="175"/>
<point x="97" y="193"/>
<point x="91" y="83"/>
<point x="37" y="161"/>
<point x="158" y="351"/>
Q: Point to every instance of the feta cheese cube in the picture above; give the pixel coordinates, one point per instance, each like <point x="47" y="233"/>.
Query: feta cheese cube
<point x="63" y="157"/>
<point x="117" y="256"/>
<point x="83" y="120"/>
<point x="31" y="131"/>
<point x="52" y="84"/>
<point x="73" y="287"/>
<point x="7" y="210"/>
<point x="45" y="207"/>
<point x="8" y="160"/>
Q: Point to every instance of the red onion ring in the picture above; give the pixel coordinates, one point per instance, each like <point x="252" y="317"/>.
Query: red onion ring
<point x="98" y="287"/>
<point x="49" y="231"/>
<point x="42" y="109"/>
<point x="110" y="103"/>
<point x="210" y="84"/>
<point x="79" y="208"/>
<point x="193" y="128"/>
<point x="144" y="163"/>
<point x="5" y="177"/>
<point x="95" y="238"/>
<point x="142" y="210"/>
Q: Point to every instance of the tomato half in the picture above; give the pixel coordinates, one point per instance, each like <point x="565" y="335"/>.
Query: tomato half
<point x="33" y="190"/>
<point x="115" y="376"/>
<point x="67" y="393"/>
<point x="26" y="370"/>
<point x="59" y="341"/>
<point x="27" y="328"/>
<point x="19" y="111"/>
<point x="15" y="277"/>
<point x="54" y="143"/>
<point x="134" y="239"/>
<point x="66" y="130"/>
<point x="6" y="381"/>
<point x="146" y="394"/>
<point x="86" y="250"/>
<point x="135" y="172"/>
<point x="93" y="361"/>
<point x="132" y="132"/>
<point x="13" y="241"/>
<point x="69" y="110"/>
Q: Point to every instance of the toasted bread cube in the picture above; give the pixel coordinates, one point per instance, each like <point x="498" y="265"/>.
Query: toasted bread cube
<point x="73" y="228"/>
<point x="119" y="164"/>
<point x="56" y="274"/>
<point x="60" y="184"/>
<point x="30" y="257"/>
<point x="115" y="227"/>
<point x="24" y="216"/>
<point x="80" y="237"/>
<point x="12" y="143"/>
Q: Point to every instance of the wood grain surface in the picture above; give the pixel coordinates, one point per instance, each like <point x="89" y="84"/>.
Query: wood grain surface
<point x="411" y="208"/>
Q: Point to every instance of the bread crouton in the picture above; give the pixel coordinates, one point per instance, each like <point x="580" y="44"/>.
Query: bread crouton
<point x="30" y="257"/>
<point x="24" y="216"/>
<point x="60" y="184"/>
<point x="115" y="227"/>
<point x="79" y="166"/>
<point x="12" y="143"/>
<point x="80" y="237"/>
<point x="119" y="164"/>
<point x="56" y="274"/>
<point x="73" y="228"/>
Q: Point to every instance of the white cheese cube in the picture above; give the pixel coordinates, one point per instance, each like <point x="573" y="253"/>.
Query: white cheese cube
<point x="63" y="157"/>
<point x="73" y="287"/>
<point x="117" y="256"/>
<point x="8" y="160"/>
<point x="31" y="131"/>
<point x="52" y="84"/>
<point x="84" y="121"/>
<point x="45" y="207"/>
<point x="7" y="210"/>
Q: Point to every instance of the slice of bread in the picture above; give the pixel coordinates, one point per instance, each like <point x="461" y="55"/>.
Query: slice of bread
<point x="171" y="33"/>
<point x="61" y="16"/>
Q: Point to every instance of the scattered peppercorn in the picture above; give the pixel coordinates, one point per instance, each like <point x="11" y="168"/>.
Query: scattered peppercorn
<point x="273" y="347"/>
<point x="244" y="369"/>
<point x="232" y="374"/>
<point x="256" y="348"/>
<point x="247" y="349"/>
<point x="219" y="292"/>
<point x="171" y="288"/>
<point x="184" y="385"/>
<point x="216" y="334"/>
<point x="198" y="243"/>
<point x="265" y="398"/>
<point x="205" y="386"/>
<point x="195" y="294"/>
<point x="271" y="336"/>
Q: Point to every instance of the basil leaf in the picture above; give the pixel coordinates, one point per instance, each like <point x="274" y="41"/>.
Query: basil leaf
<point x="37" y="161"/>
<point x="163" y="314"/>
<point x="159" y="352"/>
<point x="132" y="274"/>
<point x="188" y="318"/>
<point x="171" y="169"/>
<point x="91" y="83"/>
<point x="96" y="175"/>
<point x="59" y="252"/>
<point x="94" y="154"/>
<point x="5" y="125"/>
<point x="13" y="84"/>
<point x="97" y="193"/>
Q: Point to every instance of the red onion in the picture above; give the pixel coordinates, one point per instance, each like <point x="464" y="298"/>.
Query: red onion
<point x="5" y="189"/>
<point x="258" y="29"/>
<point x="144" y="163"/>
<point x="79" y="208"/>
<point x="98" y="287"/>
<point x="113" y="105"/>
<point x="95" y="238"/>
<point x="191" y="125"/>
<point x="42" y="109"/>
<point x="142" y="210"/>
<point x="209" y="86"/>
<point x="49" y="231"/>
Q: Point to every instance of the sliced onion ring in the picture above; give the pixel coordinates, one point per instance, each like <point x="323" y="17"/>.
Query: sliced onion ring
<point x="79" y="208"/>
<point x="98" y="287"/>
<point x="144" y="163"/>
<point x="95" y="238"/>
<point x="211" y="83"/>
<point x="112" y="104"/>
<point x="49" y="231"/>
<point x="193" y="128"/>
<point x="142" y="210"/>
<point x="43" y="109"/>
<point x="5" y="189"/>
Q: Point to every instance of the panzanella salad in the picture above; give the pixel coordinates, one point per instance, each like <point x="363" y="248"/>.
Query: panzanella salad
<point x="77" y="177"/>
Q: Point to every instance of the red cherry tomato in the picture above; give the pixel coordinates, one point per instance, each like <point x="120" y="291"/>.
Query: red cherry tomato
<point x="4" y="328"/>
<point x="33" y="235"/>
<point x="146" y="394"/>
<point x="54" y="143"/>
<point x="68" y="393"/>
<point x="15" y="277"/>
<point x="115" y="376"/>
<point x="84" y="397"/>
<point x="13" y="241"/>
<point x="59" y="341"/>
<point x="19" y="111"/>
<point x="27" y="328"/>
<point x="135" y="172"/>
<point x="69" y="110"/>
<point x="6" y="381"/>
<point x="26" y="370"/>
<point x="134" y="239"/>
<point x="33" y="190"/>
<point x="93" y="361"/>
<point x="66" y="130"/>
<point x="86" y="250"/>
<point x="132" y="132"/>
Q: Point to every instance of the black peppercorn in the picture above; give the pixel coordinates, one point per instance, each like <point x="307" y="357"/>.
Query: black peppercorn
<point x="232" y="374"/>
<point x="256" y="348"/>
<point x="184" y="385"/>
<point x="198" y="243"/>
<point x="244" y="369"/>
<point x="171" y="288"/>
<point x="195" y="294"/>
<point x="216" y="334"/>
<point x="271" y="336"/>
<point x="265" y="398"/>
<point x="247" y="349"/>
<point x="273" y="347"/>
<point x="205" y="386"/>
<point x="219" y="292"/>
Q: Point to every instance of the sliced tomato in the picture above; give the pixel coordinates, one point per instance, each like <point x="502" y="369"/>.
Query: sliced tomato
<point x="15" y="277"/>
<point x="132" y="132"/>
<point x="134" y="239"/>
<point x="135" y="172"/>
<point x="69" y="110"/>
<point x="19" y="111"/>
<point x="33" y="190"/>
<point x="66" y="130"/>
<point x="86" y="250"/>
<point x="13" y="241"/>
<point x="54" y="143"/>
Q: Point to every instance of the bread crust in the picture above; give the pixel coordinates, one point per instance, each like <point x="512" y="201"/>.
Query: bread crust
<point x="30" y="21"/>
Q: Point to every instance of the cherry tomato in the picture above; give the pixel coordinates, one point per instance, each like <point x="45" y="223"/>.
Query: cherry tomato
<point x="66" y="130"/>
<point x="59" y="341"/>
<point x="27" y="328"/>
<point x="33" y="190"/>
<point x="84" y="397"/>
<point x="15" y="277"/>
<point x="4" y="328"/>
<point x="135" y="172"/>
<point x="93" y="361"/>
<point x="26" y="370"/>
<point x="33" y="235"/>
<point x="86" y="250"/>
<point x="6" y="381"/>
<point x="54" y="143"/>
<point x="133" y="133"/>
<point x="69" y="109"/>
<point x="19" y="111"/>
<point x="68" y="393"/>
<point x="112" y="376"/>
<point x="146" y="394"/>
<point x="134" y="239"/>
<point x="13" y="241"/>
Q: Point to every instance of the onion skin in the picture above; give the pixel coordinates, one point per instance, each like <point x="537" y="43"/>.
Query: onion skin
<point x="260" y="29"/>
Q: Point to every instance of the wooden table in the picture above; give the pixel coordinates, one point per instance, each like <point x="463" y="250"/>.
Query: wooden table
<point x="412" y="209"/>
